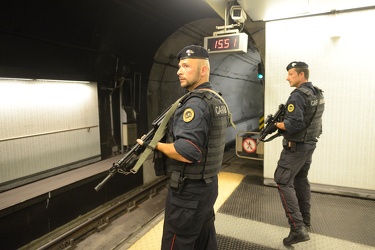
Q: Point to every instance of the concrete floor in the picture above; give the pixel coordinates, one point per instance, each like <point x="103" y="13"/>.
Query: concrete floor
<point x="249" y="215"/>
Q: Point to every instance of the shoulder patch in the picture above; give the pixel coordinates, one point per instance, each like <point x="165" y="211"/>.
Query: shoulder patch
<point x="188" y="115"/>
<point x="290" y="108"/>
<point x="220" y="110"/>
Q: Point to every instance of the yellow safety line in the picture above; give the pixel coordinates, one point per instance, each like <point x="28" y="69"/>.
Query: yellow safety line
<point x="228" y="182"/>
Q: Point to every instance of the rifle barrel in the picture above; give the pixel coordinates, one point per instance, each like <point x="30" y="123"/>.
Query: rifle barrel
<point x="101" y="184"/>
<point x="128" y="157"/>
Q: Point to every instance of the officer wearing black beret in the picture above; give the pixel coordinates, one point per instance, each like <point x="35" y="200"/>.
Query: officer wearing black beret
<point x="193" y="51"/>
<point x="301" y="127"/>
<point x="194" y="149"/>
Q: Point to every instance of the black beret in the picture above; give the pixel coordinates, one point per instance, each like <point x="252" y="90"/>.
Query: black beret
<point x="296" y="65"/>
<point x="193" y="51"/>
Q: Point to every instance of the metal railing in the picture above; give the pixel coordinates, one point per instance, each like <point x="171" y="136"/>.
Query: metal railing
<point x="48" y="133"/>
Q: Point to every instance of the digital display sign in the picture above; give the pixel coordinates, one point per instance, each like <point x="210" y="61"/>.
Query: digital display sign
<point x="226" y="43"/>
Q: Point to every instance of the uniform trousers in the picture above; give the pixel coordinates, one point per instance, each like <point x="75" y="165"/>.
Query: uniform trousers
<point x="189" y="216"/>
<point x="293" y="184"/>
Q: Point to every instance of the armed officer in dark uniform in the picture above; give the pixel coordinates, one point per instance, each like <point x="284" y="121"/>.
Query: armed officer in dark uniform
<point x="194" y="148"/>
<point x="301" y="127"/>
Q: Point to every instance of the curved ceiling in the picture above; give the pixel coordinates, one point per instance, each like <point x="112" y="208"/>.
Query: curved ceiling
<point x="88" y="35"/>
<point x="89" y="39"/>
<point x="234" y="75"/>
<point x="82" y="39"/>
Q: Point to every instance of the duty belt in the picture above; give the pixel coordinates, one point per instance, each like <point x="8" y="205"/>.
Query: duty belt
<point x="207" y="180"/>
<point x="177" y="181"/>
<point x="290" y="144"/>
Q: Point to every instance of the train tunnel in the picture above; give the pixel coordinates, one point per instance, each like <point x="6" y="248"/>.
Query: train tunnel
<point x="80" y="80"/>
<point x="124" y="53"/>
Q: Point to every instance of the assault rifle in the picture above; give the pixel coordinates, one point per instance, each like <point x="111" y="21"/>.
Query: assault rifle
<point x="125" y="164"/>
<point x="269" y="127"/>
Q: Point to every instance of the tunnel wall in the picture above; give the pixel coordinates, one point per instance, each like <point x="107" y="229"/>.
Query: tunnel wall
<point x="234" y="75"/>
<point x="47" y="127"/>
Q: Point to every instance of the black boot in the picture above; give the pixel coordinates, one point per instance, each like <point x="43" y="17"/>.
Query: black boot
<point x="296" y="235"/>
<point x="307" y="222"/>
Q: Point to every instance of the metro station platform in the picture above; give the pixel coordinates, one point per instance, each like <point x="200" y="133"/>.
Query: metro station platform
<point x="249" y="215"/>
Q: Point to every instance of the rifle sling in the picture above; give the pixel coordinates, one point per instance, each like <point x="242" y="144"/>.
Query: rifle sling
<point x="278" y="134"/>
<point x="160" y="132"/>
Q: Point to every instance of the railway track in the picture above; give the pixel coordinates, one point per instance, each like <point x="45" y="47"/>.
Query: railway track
<point x="75" y="232"/>
<point x="69" y="235"/>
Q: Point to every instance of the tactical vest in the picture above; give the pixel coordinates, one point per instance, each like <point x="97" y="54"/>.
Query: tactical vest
<point x="313" y="116"/>
<point x="212" y="155"/>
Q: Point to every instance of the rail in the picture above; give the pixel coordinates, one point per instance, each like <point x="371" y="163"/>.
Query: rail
<point x="97" y="220"/>
<point x="48" y="133"/>
<point x="67" y="236"/>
